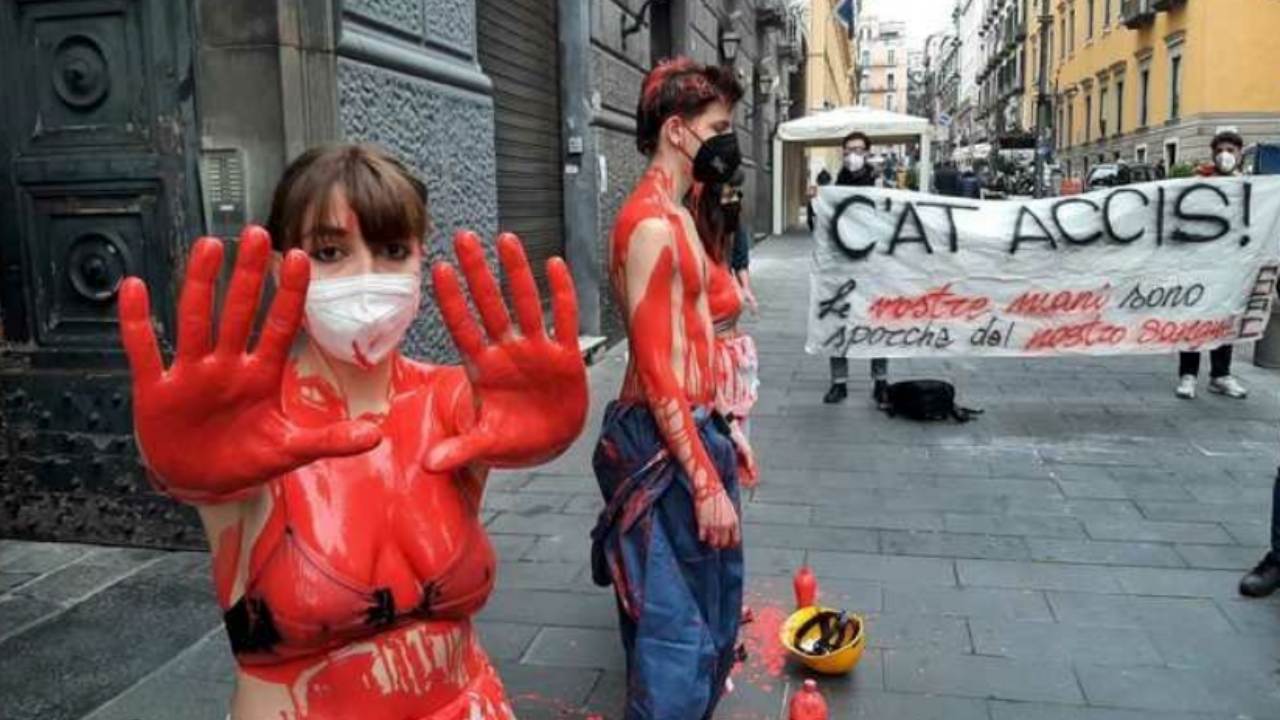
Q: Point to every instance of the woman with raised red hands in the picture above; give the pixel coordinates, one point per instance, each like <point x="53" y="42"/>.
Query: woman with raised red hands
<point x="338" y="482"/>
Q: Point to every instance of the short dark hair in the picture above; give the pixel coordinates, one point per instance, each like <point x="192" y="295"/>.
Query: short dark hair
<point x="388" y="201"/>
<point x="681" y="87"/>
<point x="1226" y="136"/>
<point x="857" y="135"/>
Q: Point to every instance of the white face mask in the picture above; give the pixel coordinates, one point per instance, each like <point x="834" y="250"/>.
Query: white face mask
<point x="854" y="161"/>
<point x="1226" y="161"/>
<point x="361" y="319"/>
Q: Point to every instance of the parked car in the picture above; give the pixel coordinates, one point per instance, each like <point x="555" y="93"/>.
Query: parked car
<point x="1117" y="174"/>
<point x="1262" y="159"/>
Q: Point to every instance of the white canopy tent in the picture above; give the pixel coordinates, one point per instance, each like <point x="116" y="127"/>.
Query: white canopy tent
<point x="828" y="128"/>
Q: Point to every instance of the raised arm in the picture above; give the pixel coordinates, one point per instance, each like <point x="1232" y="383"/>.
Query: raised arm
<point x="654" y="297"/>
<point x="528" y="390"/>
<point x="210" y="428"/>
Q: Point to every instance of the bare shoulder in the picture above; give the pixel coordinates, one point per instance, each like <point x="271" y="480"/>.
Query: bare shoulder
<point x="653" y="230"/>
<point x="649" y="238"/>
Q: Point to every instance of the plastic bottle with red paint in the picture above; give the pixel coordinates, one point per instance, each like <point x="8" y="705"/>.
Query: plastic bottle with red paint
<point x="808" y="704"/>
<point x="806" y="587"/>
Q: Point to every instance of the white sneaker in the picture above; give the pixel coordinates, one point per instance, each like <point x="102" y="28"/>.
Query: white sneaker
<point x="1228" y="386"/>
<point x="1187" y="387"/>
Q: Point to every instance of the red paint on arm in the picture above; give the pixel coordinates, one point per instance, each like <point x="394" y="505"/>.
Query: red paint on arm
<point x="210" y="428"/>
<point x="652" y="344"/>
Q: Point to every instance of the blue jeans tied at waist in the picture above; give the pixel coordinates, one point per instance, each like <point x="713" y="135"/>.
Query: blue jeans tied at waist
<point x="679" y="600"/>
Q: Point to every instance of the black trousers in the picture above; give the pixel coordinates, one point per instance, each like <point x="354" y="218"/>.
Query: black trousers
<point x="840" y="369"/>
<point x="1275" y="516"/>
<point x="1219" y="362"/>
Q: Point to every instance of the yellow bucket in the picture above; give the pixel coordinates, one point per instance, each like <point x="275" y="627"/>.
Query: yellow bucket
<point x="838" y="662"/>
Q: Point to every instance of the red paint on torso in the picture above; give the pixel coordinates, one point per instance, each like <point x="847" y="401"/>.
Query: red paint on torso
<point x="374" y="533"/>
<point x="649" y="201"/>
<point x="342" y="530"/>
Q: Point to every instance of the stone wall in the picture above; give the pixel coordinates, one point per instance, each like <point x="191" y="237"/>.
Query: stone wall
<point x="617" y="69"/>
<point x="408" y="79"/>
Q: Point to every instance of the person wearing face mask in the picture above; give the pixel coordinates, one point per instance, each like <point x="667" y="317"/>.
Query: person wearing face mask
<point x="669" y="538"/>
<point x="735" y="363"/>
<point x="1227" y="148"/>
<point x="822" y="180"/>
<point x="857" y="171"/>
<point x="338" y="482"/>
<point x="740" y="257"/>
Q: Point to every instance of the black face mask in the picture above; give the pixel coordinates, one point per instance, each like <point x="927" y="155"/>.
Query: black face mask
<point x="731" y="212"/>
<point x="718" y="159"/>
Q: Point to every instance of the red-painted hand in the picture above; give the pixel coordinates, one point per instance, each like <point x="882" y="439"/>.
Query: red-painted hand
<point x="211" y="428"/>
<point x="748" y="472"/>
<point x="717" y="520"/>
<point x="531" y="389"/>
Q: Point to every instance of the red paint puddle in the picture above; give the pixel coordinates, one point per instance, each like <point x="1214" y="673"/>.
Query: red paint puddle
<point x="766" y="658"/>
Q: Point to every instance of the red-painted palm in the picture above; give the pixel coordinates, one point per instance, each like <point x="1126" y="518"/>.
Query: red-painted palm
<point x="211" y="426"/>
<point x="530" y="389"/>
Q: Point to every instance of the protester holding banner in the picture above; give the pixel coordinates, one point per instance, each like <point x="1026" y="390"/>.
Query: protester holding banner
<point x="856" y="172"/>
<point x="823" y="179"/>
<point x="1177" y="265"/>
<point x="1227" y="147"/>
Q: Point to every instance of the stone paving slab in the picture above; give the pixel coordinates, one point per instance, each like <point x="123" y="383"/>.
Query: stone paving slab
<point x="1071" y="555"/>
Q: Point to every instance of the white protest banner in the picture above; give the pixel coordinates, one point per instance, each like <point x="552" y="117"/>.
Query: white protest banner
<point x="1150" y="268"/>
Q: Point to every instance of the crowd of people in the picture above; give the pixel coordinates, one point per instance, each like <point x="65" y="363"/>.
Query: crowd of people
<point x="1227" y="148"/>
<point x="339" y="483"/>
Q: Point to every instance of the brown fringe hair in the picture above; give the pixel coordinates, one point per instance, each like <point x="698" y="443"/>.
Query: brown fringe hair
<point x="389" y="202"/>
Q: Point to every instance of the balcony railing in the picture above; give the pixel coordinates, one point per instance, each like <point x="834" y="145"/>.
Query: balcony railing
<point x="1137" y="13"/>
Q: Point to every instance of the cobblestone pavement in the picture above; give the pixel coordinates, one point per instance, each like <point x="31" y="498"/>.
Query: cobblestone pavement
<point x="1072" y="554"/>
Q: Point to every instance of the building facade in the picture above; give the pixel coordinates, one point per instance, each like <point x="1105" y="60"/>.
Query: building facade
<point x="140" y="125"/>
<point x="828" y="77"/>
<point x="942" y="69"/>
<point x="829" y="66"/>
<point x="1152" y="80"/>
<point x="1002" y="74"/>
<point x="968" y="128"/>
<point x="918" y="98"/>
<point x="882" y="56"/>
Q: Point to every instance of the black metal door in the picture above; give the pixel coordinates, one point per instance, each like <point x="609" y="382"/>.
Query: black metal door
<point x="518" y="50"/>
<point x="97" y="181"/>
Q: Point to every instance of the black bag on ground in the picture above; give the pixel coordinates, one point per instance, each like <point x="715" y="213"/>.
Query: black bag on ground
<point x="925" y="400"/>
